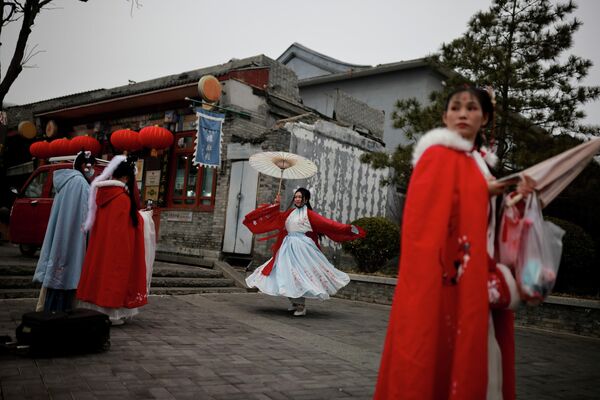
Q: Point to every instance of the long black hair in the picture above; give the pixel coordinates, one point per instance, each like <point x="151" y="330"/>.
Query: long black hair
<point x="485" y="101"/>
<point x="305" y="196"/>
<point x="127" y="168"/>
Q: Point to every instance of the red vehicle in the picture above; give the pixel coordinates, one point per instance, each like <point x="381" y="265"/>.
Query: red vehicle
<point x="31" y="210"/>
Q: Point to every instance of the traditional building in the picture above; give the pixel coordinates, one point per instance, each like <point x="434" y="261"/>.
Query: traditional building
<point x="200" y="209"/>
<point x="325" y="84"/>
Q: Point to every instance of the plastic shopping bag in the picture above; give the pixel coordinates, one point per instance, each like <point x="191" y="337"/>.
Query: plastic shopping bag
<point x="539" y="253"/>
<point x="510" y="233"/>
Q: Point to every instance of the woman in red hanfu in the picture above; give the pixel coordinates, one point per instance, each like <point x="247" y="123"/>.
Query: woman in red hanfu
<point x="298" y="269"/>
<point x="117" y="263"/>
<point x="450" y="334"/>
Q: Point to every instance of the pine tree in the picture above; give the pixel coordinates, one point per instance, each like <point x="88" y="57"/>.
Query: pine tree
<point x="518" y="47"/>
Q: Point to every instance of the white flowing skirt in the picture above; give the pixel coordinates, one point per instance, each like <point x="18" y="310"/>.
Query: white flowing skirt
<point x="300" y="270"/>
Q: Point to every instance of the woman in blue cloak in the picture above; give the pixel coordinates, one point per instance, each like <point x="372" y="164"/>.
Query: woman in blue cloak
<point x="63" y="250"/>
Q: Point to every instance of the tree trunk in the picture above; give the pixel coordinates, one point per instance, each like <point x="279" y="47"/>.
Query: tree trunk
<point x="31" y="9"/>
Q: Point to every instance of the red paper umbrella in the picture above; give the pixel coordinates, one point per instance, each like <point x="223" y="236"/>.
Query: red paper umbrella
<point x="60" y="147"/>
<point x="40" y="150"/>
<point x="86" y="143"/>
<point x="126" y="139"/>
<point x="156" y="138"/>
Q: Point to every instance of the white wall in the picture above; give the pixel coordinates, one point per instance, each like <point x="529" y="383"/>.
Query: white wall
<point x="344" y="189"/>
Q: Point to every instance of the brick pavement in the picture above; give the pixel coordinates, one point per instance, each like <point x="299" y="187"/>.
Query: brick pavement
<point x="246" y="346"/>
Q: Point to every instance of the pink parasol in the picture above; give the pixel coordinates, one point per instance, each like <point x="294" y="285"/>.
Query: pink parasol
<point x="552" y="176"/>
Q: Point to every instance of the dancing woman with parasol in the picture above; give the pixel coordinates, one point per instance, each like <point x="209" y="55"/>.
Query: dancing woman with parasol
<point x="298" y="269"/>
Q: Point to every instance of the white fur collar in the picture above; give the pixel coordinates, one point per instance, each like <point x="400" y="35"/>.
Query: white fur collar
<point x="110" y="182"/>
<point x="440" y="136"/>
<point x="447" y="138"/>
<point x="100" y="181"/>
<point x="489" y="156"/>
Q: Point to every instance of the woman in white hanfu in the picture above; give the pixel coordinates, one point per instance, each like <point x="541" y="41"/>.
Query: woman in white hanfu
<point x="298" y="269"/>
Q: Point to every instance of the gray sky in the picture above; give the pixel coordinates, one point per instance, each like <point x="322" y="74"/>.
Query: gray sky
<point x="99" y="44"/>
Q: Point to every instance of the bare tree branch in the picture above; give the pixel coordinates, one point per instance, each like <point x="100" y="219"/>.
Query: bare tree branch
<point x="12" y="8"/>
<point x="29" y="54"/>
<point x="30" y="11"/>
<point x="137" y="4"/>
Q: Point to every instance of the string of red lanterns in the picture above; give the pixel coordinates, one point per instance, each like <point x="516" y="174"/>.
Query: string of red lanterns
<point x="156" y="138"/>
<point x="60" y="147"/>
<point x="125" y="140"/>
<point x="64" y="147"/>
<point x="40" y="150"/>
<point x="85" y="143"/>
<point x="152" y="137"/>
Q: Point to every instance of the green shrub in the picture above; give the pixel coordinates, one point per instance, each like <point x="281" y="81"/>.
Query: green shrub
<point x="578" y="272"/>
<point x="381" y="243"/>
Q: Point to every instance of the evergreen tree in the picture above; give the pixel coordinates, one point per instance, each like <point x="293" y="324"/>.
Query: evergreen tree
<point x="517" y="47"/>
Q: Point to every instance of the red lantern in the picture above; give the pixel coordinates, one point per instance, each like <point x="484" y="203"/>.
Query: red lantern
<point x="40" y="150"/>
<point x="86" y="143"/>
<point x="156" y="138"/>
<point x="126" y="139"/>
<point x="60" y="147"/>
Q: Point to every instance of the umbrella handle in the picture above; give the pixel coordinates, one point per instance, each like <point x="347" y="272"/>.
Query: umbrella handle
<point x="514" y="200"/>
<point x="280" y="180"/>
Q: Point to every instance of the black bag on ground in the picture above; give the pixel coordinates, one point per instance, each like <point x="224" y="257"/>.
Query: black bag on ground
<point x="56" y="333"/>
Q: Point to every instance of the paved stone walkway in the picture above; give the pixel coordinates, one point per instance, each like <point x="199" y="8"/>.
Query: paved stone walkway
<point x="247" y="346"/>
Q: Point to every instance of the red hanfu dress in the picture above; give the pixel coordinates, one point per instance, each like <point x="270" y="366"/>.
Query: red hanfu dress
<point x="437" y="341"/>
<point x="113" y="279"/>
<point x="298" y="268"/>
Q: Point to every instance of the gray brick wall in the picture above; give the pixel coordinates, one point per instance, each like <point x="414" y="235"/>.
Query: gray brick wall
<point x="367" y="291"/>
<point x="559" y="314"/>
<point x="282" y="80"/>
<point x="580" y="319"/>
<point x="354" y="112"/>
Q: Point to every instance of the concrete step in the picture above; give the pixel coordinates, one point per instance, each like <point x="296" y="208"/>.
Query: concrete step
<point x="24" y="282"/>
<point x="160" y="269"/>
<point x="203" y="261"/>
<point x="176" y="270"/>
<point x="190" y="282"/>
<point x="19" y="293"/>
<point x="18" y="282"/>
<point x="157" y="291"/>
<point x="193" y="290"/>
<point x="17" y="269"/>
<point x="168" y="278"/>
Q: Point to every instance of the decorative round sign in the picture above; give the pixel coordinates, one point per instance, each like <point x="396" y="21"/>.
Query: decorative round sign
<point x="51" y="128"/>
<point x="209" y="88"/>
<point x="27" y="129"/>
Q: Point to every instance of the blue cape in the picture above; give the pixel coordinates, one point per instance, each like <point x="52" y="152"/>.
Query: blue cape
<point x="63" y="251"/>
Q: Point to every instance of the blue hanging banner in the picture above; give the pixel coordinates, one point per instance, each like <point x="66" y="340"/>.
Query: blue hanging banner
<point x="208" y="138"/>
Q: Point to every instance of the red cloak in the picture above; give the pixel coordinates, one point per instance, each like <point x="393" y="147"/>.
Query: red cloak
<point x="114" y="269"/>
<point x="436" y="345"/>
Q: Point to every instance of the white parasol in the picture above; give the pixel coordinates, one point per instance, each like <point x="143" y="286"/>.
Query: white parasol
<point x="281" y="164"/>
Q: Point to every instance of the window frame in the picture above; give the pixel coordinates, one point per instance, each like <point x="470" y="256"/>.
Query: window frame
<point x="42" y="177"/>
<point x="198" y="198"/>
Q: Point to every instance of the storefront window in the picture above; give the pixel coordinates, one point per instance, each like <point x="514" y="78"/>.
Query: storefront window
<point x="207" y="187"/>
<point x="191" y="187"/>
